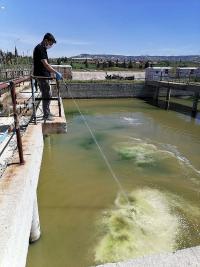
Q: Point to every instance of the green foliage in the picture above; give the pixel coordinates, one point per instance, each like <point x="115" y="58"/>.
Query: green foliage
<point x="117" y="63"/>
<point x="86" y="63"/>
<point x="130" y="64"/>
<point x="105" y="65"/>
<point x="124" y="64"/>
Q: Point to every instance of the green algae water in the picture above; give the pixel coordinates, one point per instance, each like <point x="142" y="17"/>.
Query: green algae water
<point x="85" y="219"/>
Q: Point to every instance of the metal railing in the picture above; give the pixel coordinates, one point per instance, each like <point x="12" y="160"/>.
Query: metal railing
<point x="187" y="79"/>
<point x="11" y="85"/>
<point x="31" y="102"/>
<point x="13" y="73"/>
<point x="36" y="79"/>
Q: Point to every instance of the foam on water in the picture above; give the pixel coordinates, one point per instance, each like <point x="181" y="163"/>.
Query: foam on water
<point x="182" y="159"/>
<point x="144" y="153"/>
<point x="145" y="226"/>
<point x="132" y="121"/>
<point x="140" y="152"/>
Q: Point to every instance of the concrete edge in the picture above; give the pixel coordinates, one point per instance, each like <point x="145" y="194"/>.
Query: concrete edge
<point x="17" y="194"/>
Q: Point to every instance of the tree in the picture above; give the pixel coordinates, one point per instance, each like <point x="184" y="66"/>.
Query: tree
<point x="86" y="63"/>
<point x="16" y="52"/>
<point x="9" y="57"/>
<point x="146" y="64"/>
<point x="130" y="64"/>
<point x="59" y="61"/>
<point x="124" y="64"/>
<point x="110" y="64"/>
<point x="105" y="65"/>
<point x="98" y="65"/>
<point x="117" y="63"/>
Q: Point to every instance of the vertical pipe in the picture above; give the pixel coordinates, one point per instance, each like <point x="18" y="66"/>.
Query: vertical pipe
<point x="58" y="90"/>
<point x="195" y="104"/>
<point x="156" y="95"/>
<point x="168" y="98"/>
<point x="35" y="226"/>
<point x="33" y="101"/>
<point x="16" y="121"/>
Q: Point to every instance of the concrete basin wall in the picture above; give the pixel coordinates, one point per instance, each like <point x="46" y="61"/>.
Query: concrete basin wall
<point x="17" y="195"/>
<point x="105" y="90"/>
<point x="89" y="90"/>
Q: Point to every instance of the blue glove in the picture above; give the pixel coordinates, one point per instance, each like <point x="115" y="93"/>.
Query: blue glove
<point x="59" y="76"/>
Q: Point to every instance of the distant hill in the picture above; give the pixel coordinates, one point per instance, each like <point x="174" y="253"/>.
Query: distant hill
<point x="194" y="58"/>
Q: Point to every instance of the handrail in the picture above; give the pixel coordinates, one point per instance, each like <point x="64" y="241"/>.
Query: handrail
<point x="42" y="77"/>
<point x="6" y="85"/>
<point x="10" y="85"/>
<point x="16" y="121"/>
<point x="36" y="78"/>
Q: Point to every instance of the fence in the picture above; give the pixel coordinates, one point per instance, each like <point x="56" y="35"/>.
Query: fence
<point x="8" y="74"/>
<point x="188" y="79"/>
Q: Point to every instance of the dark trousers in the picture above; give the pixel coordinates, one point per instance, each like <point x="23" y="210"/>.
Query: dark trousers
<point x="46" y="95"/>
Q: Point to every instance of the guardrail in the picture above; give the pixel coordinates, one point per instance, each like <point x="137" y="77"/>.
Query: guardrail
<point x="18" y="113"/>
<point x="188" y="79"/>
<point x="8" y="74"/>
<point x="34" y="99"/>
<point x="11" y="85"/>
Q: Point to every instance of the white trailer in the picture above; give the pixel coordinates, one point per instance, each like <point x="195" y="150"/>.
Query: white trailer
<point x="186" y="72"/>
<point x="157" y="73"/>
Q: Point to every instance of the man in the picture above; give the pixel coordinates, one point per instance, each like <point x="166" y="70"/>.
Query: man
<point x="41" y="67"/>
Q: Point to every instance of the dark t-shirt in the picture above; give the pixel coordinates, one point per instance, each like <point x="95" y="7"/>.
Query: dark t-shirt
<point x="39" y="53"/>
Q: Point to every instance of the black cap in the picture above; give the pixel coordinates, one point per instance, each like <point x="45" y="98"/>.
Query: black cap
<point x="48" y="36"/>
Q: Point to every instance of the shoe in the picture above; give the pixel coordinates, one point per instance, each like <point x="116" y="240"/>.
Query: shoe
<point x="49" y="118"/>
<point x="52" y="115"/>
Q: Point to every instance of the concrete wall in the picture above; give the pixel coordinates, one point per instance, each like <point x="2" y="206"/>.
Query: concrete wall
<point x="181" y="258"/>
<point x="101" y="75"/>
<point x="162" y="92"/>
<point x="105" y="90"/>
<point x="17" y="195"/>
<point x="113" y="90"/>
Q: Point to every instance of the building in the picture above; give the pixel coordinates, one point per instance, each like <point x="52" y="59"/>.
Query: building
<point x="65" y="70"/>
<point x="198" y="72"/>
<point x="187" y="72"/>
<point x="157" y="73"/>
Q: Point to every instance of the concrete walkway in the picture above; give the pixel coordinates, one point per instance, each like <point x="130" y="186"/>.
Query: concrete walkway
<point x="181" y="258"/>
<point x="18" y="186"/>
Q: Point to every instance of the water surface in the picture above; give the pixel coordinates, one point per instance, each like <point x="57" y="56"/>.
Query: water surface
<point x="85" y="218"/>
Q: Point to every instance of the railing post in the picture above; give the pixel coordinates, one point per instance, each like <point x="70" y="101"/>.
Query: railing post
<point x="59" y="104"/>
<point x="168" y="98"/>
<point x="33" y="101"/>
<point x="16" y="121"/>
<point x="195" y="104"/>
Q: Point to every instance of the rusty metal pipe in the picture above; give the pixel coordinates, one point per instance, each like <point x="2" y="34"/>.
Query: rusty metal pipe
<point x="16" y="122"/>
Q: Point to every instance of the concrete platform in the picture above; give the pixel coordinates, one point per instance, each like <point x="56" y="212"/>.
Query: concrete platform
<point x="181" y="258"/>
<point x="58" y="125"/>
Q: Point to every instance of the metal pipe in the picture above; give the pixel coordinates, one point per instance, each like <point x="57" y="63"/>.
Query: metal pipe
<point x="16" y="122"/>
<point x="59" y="102"/>
<point x="33" y="101"/>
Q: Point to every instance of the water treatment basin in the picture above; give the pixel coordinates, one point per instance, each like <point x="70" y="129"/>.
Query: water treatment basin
<point x="85" y="218"/>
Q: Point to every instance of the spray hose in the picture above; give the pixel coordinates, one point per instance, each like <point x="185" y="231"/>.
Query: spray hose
<point x="98" y="146"/>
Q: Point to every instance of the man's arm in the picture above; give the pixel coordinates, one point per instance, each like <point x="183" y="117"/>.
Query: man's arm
<point x="48" y="66"/>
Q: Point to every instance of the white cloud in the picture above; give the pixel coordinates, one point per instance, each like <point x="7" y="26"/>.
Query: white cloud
<point x="2" y="7"/>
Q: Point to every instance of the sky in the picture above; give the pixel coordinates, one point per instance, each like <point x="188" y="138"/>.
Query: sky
<point x="125" y="27"/>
